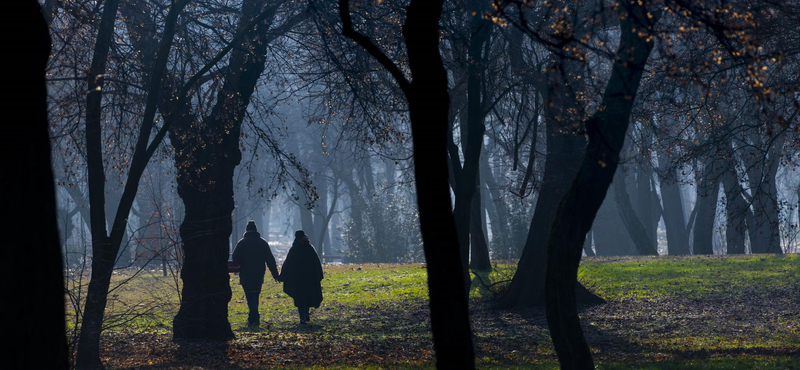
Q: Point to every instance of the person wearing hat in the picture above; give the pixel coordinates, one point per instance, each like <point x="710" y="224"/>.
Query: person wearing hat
<point x="301" y="274"/>
<point x="252" y="253"/>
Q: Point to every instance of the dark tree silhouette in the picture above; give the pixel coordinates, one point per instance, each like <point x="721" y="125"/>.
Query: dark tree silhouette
<point x="33" y="282"/>
<point x="428" y="106"/>
<point x="576" y="212"/>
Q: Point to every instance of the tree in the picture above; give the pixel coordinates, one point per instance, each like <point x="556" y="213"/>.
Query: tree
<point x="33" y="288"/>
<point x="428" y="107"/>
<point x="606" y="129"/>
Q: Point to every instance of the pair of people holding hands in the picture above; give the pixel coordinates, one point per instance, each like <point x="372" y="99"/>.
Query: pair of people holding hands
<point x="301" y="272"/>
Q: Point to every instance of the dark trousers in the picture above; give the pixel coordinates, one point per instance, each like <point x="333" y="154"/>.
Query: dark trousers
<point x="303" y="311"/>
<point x="251" y="292"/>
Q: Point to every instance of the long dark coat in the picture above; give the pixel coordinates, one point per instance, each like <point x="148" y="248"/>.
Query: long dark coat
<point x="301" y="274"/>
<point x="252" y="252"/>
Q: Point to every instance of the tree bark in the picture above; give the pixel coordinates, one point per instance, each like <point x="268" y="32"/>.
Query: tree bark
<point x="33" y="281"/>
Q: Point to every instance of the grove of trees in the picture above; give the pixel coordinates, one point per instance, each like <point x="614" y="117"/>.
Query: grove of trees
<point x="460" y="133"/>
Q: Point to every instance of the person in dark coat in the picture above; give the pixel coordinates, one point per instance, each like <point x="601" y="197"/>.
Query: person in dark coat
<point x="301" y="275"/>
<point x="252" y="253"/>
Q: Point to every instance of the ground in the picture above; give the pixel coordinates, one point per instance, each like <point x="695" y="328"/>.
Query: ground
<point x="662" y="313"/>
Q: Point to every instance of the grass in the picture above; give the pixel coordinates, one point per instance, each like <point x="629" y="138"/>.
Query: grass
<point x="662" y="313"/>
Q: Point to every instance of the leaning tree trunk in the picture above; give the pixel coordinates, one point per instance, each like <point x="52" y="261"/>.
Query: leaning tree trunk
<point x="561" y="162"/>
<point x="606" y="129"/>
<point x="33" y="281"/>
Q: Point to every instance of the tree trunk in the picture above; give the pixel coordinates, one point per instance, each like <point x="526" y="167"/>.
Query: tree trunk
<point x="498" y="211"/>
<point x="561" y="161"/>
<point x="761" y="171"/>
<point x="606" y="130"/>
<point x="672" y="205"/>
<point x="33" y="281"/>
<point x="644" y="202"/>
<point x="206" y="155"/>
<point x="707" y="194"/>
<point x="587" y="245"/>
<point x="611" y="236"/>
<point x="636" y="230"/>
<point x="472" y="130"/>
<point x="428" y="104"/>
<point x="105" y="247"/>
<point x="735" y="209"/>
<point x="479" y="248"/>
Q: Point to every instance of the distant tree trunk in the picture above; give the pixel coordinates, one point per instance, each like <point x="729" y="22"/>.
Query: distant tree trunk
<point x="206" y="156"/>
<point x="587" y="245"/>
<point x="707" y="194"/>
<point x="611" y="236"/>
<point x="479" y="248"/>
<point x="606" y="129"/>
<point x="672" y="205"/>
<point x="428" y="103"/>
<point x="33" y="282"/>
<point x="636" y="230"/>
<point x="498" y="211"/>
<point x="761" y="171"/>
<point x="644" y="202"/>
<point x="735" y="209"/>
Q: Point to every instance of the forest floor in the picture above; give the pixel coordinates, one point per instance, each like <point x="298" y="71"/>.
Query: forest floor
<point x="661" y="313"/>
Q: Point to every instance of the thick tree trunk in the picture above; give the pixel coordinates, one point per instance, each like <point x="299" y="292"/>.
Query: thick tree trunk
<point x="428" y="107"/>
<point x="206" y="155"/>
<point x="33" y="315"/>
<point x="577" y="209"/>
<point x="561" y="164"/>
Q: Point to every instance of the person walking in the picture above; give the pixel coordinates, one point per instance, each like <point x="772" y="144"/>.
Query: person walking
<point x="252" y="253"/>
<point x="301" y="275"/>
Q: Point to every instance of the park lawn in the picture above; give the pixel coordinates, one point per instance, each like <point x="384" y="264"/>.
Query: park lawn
<point x="662" y="313"/>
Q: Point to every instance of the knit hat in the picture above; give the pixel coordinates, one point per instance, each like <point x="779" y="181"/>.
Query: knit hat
<point x="299" y="234"/>
<point x="251" y="226"/>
